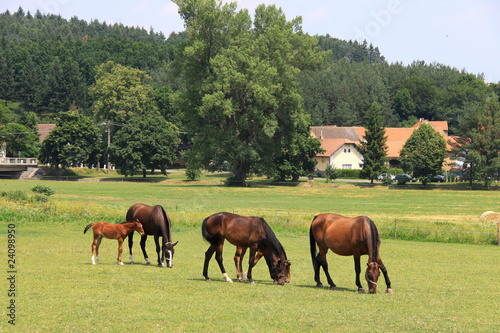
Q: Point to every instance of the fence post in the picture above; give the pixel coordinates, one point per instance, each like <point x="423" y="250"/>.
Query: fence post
<point x="395" y="228"/>
<point x="288" y="220"/>
<point x="55" y="210"/>
<point x="498" y="232"/>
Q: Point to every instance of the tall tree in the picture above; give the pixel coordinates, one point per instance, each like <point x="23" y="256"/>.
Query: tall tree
<point x="424" y="152"/>
<point x="74" y="141"/>
<point x="120" y="92"/>
<point x="20" y="140"/>
<point x="373" y="146"/>
<point x="478" y="141"/>
<point x="241" y="96"/>
<point x="146" y="141"/>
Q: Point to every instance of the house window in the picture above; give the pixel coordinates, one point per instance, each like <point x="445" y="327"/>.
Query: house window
<point x="347" y="150"/>
<point x="346" y="166"/>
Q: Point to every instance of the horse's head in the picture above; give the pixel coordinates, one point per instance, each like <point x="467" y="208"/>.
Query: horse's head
<point x="371" y="275"/>
<point x="169" y="253"/>
<point x="280" y="272"/>
<point x="138" y="227"/>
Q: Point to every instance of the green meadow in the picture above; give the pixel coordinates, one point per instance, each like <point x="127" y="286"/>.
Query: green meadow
<point x="443" y="265"/>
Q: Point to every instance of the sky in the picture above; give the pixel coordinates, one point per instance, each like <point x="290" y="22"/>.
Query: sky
<point x="459" y="33"/>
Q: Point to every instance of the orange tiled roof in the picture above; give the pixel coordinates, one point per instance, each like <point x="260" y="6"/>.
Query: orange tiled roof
<point x="44" y="130"/>
<point x="332" y="145"/>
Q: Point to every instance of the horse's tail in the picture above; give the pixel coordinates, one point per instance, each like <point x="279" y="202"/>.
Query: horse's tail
<point x="206" y="234"/>
<point x="88" y="227"/>
<point x="312" y="243"/>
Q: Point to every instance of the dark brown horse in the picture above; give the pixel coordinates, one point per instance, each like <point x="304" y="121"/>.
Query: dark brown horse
<point x="347" y="236"/>
<point x="244" y="232"/>
<point x="155" y="222"/>
<point x="112" y="231"/>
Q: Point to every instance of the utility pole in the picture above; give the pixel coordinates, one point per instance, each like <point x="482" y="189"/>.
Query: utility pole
<point x="109" y="141"/>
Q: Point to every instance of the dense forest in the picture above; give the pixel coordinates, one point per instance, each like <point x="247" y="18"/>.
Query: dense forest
<point x="48" y="63"/>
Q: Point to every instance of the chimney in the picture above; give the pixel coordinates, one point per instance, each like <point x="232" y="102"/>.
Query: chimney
<point x="321" y="135"/>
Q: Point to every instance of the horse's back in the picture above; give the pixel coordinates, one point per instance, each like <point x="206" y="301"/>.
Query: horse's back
<point x="236" y="229"/>
<point x="343" y="235"/>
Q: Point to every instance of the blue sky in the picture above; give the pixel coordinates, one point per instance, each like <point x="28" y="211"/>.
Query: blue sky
<point x="459" y="33"/>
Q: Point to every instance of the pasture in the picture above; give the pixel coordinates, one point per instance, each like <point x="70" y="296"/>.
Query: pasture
<point x="438" y="286"/>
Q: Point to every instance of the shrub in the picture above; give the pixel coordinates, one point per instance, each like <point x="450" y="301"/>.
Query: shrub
<point x="16" y="195"/>
<point x="42" y="189"/>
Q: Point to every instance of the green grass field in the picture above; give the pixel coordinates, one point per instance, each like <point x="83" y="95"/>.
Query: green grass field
<point x="438" y="286"/>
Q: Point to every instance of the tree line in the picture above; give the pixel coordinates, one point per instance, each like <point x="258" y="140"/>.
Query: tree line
<point x="218" y="80"/>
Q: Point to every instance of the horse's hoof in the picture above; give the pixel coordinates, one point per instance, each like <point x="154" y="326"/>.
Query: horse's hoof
<point x="389" y="291"/>
<point x="120" y="263"/>
<point x="333" y="287"/>
<point x="252" y="282"/>
<point x="207" y="279"/>
<point x="132" y="263"/>
<point x="361" y="290"/>
<point x="319" y="285"/>
<point x="229" y="280"/>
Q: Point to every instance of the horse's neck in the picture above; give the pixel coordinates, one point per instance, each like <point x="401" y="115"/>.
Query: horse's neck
<point x="129" y="226"/>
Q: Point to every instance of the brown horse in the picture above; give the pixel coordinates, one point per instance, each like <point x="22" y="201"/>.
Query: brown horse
<point x="244" y="232"/>
<point x="156" y="222"/>
<point x="112" y="231"/>
<point x="347" y="236"/>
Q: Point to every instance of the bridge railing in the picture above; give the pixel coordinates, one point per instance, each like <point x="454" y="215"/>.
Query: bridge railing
<point x="19" y="161"/>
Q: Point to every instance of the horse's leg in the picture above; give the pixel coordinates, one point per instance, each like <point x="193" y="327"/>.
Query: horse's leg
<point x="208" y="256"/>
<point x="218" y="257"/>
<point x="238" y="258"/>
<point x="257" y="258"/>
<point x="357" y="269"/>
<point x="120" y="250"/>
<point x="143" y="248"/>
<point x="99" y="239"/>
<point x="386" y="276"/>
<point x="251" y="263"/>
<point x="94" y="248"/>
<point x="321" y="259"/>
<point x="158" y="247"/>
<point x="130" y="243"/>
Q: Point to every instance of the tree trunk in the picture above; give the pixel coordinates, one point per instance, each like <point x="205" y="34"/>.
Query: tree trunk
<point x="240" y="173"/>
<point x="143" y="173"/>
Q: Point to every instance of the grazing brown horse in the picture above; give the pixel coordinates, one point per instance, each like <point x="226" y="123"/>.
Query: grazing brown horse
<point x="112" y="231"/>
<point x="347" y="236"/>
<point x="156" y="222"/>
<point x="244" y="232"/>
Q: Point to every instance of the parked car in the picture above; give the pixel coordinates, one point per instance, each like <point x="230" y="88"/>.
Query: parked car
<point x="437" y="179"/>
<point x="383" y="175"/>
<point x="403" y="178"/>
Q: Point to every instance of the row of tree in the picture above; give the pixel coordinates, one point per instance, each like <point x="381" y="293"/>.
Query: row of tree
<point x="246" y="89"/>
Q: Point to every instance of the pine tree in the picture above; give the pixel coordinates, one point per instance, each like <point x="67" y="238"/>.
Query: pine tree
<point x="373" y="146"/>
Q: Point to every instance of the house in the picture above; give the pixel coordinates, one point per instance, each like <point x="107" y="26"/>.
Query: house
<point x="340" y="143"/>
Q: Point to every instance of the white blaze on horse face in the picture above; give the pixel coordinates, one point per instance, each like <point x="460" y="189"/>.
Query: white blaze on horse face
<point x="228" y="279"/>
<point x="169" y="259"/>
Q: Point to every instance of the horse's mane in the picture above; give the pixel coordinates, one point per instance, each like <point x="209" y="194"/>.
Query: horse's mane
<point x="272" y="241"/>
<point x="375" y="238"/>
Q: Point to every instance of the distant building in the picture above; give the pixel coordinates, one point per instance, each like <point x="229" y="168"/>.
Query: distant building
<point x="340" y="143"/>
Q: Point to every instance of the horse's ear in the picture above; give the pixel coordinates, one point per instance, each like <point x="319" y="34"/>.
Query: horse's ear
<point x="175" y="244"/>
<point x="289" y="262"/>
